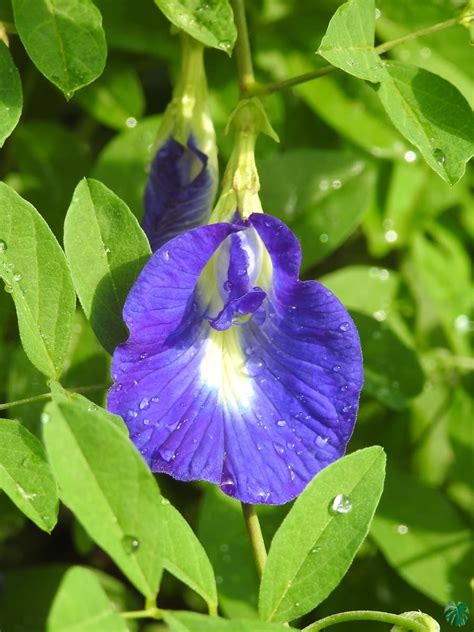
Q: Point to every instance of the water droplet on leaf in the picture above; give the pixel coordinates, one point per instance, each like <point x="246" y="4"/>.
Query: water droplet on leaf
<point x="341" y="504"/>
<point x="439" y="156"/>
<point x="3" y="246"/>
<point x="130" y="544"/>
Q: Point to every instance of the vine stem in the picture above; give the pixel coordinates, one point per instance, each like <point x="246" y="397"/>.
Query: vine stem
<point x="242" y="48"/>
<point x="255" y="535"/>
<point x="366" y="615"/>
<point x="149" y="613"/>
<point x="42" y="396"/>
<point x="269" y="88"/>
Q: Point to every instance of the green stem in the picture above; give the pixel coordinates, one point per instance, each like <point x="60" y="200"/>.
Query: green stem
<point x="255" y="535"/>
<point x="261" y="90"/>
<point x="42" y="396"/>
<point x="242" y="48"/>
<point x="366" y="615"/>
<point x="149" y="613"/>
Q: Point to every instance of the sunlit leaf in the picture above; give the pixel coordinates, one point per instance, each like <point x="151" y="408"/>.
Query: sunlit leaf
<point x="11" y="96"/>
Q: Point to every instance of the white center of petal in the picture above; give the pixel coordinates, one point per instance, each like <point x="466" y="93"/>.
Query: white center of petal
<point x="223" y="368"/>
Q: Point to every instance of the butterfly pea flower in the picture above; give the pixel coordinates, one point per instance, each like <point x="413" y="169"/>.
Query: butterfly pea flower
<point x="182" y="181"/>
<point x="237" y="372"/>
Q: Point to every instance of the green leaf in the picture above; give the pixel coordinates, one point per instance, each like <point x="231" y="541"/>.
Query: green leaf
<point x="322" y="195"/>
<point x="315" y="545"/>
<point x="185" y="558"/>
<point x="106" y="250"/>
<point x="422" y="536"/>
<point x="122" y="164"/>
<point x="192" y="622"/>
<point x="34" y="269"/>
<point x="392" y="372"/>
<point x="64" y="39"/>
<point x="109" y="488"/>
<point x="116" y="99"/>
<point x="432" y="114"/>
<point x="81" y="603"/>
<point x="367" y="289"/>
<point x="26" y="476"/>
<point x="210" y="22"/>
<point x="11" y="96"/>
<point x="349" y="41"/>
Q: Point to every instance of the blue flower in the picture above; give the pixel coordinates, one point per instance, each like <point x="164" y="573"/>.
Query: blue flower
<point x="183" y="178"/>
<point x="235" y="371"/>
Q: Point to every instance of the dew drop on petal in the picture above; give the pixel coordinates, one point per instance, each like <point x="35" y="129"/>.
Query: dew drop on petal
<point x="321" y="441"/>
<point x="145" y="403"/>
<point x="344" y="327"/>
<point x="336" y="368"/>
<point x="281" y="423"/>
<point x="130" y="544"/>
<point x="341" y="504"/>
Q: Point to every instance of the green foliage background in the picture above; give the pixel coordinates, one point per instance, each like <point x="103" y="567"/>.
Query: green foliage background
<point x="387" y="225"/>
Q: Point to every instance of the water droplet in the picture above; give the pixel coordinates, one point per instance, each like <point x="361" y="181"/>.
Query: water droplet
<point x="281" y="423"/>
<point x="131" y="122"/>
<point x="3" y="246"/>
<point x="164" y="501"/>
<point x="146" y="422"/>
<point x="341" y="504"/>
<point x="324" y="185"/>
<point x="291" y="308"/>
<point x="279" y="448"/>
<point x="224" y="548"/>
<point x="17" y="277"/>
<point x="228" y="485"/>
<point x="254" y="366"/>
<point x="391" y="236"/>
<point x="227" y="286"/>
<point x="378" y="13"/>
<point x="346" y="409"/>
<point x="132" y="413"/>
<point x="336" y="368"/>
<point x="402" y="529"/>
<point x="336" y="184"/>
<point x="130" y="544"/>
<point x="323" y="238"/>
<point x="44" y="418"/>
<point x="380" y="315"/>
<point x="91" y="408"/>
<point x="145" y="403"/>
<point x="219" y="580"/>
<point x="409" y="156"/>
<point x="321" y="441"/>
<point x="344" y="327"/>
<point x="24" y="494"/>
<point x="166" y="255"/>
<point x="155" y="400"/>
<point x="118" y="386"/>
<point x="316" y="549"/>
<point x="168" y="455"/>
<point x="456" y="613"/>
<point x="439" y="156"/>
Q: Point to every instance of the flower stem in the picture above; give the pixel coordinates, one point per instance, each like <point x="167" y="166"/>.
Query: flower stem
<point x="42" y="396"/>
<point x="366" y="615"/>
<point x="255" y="535"/>
<point x="242" y="48"/>
<point x="269" y="88"/>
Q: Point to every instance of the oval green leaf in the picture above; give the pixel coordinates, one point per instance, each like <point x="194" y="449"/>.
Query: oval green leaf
<point x="25" y="475"/>
<point x="11" y="95"/>
<point x="106" y="250"/>
<point x="210" y="22"/>
<point x="432" y="114"/>
<point x="349" y="41"/>
<point x="34" y="269"/>
<point x="315" y="545"/>
<point x="109" y="488"/>
<point x="64" y="39"/>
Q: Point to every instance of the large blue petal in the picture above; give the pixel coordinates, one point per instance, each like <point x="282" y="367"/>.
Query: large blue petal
<point x="258" y="409"/>
<point x="179" y="193"/>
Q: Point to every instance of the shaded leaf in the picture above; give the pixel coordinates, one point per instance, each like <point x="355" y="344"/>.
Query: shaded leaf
<point x="192" y="622"/>
<point x="34" y="269"/>
<point x="322" y="195"/>
<point x="64" y="39"/>
<point x="422" y="536"/>
<point x="26" y="476"/>
<point x="11" y="95"/>
<point x="210" y="22"/>
<point x="349" y="41"/>
<point x="110" y="489"/>
<point x="116" y="99"/>
<point x="433" y="115"/>
<point x="392" y="372"/>
<point x="315" y="545"/>
<point x="106" y="250"/>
